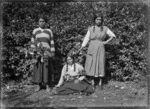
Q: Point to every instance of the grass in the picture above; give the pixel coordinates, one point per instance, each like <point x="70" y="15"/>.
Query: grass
<point x="114" y="94"/>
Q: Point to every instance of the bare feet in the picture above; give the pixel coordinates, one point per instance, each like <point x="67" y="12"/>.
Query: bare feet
<point x="99" y="88"/>
<point x="92" y="82"/>
<point x="48" y="88"/>
<point x="53" y="92"/>
<point x="37" y="88"/>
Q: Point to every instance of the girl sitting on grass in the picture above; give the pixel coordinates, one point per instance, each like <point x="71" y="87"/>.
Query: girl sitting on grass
<point x="72" y="79"/>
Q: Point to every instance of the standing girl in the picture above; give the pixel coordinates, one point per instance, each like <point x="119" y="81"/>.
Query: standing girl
<point x="95" y="59"/>
<point x="43" y="70"/>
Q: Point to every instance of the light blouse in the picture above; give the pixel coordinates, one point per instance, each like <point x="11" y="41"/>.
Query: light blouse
<point x="70" y="71"/>
<point x="87" y="37"/>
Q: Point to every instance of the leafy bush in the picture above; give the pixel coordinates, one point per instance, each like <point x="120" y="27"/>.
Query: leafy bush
<point x="125" y="55"/>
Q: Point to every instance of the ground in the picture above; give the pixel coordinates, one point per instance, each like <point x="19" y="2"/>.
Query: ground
<point x="114" y="93"/>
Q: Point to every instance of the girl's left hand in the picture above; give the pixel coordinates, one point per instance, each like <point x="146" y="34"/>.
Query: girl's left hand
<point x="104" y="42"/>
<point x="76" y="81"/>
<point x="56" y="86"/>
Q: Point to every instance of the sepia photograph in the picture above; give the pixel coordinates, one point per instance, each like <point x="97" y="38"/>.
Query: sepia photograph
<point x="84" y="54"/>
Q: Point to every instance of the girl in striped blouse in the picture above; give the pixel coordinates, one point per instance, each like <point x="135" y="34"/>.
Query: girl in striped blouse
<point x="43" y="71"/>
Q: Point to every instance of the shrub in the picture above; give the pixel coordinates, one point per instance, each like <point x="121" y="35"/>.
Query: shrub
<point x="125" y="55"/>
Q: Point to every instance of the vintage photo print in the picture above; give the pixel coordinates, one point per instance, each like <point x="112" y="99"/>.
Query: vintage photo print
<point x="81" y="54"/>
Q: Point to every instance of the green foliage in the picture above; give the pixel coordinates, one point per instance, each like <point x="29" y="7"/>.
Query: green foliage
<point x="125" y="55"/>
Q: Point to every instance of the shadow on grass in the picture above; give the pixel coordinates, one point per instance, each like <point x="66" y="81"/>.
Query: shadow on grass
<point x="30" y="98"/>
<point x="14" y="97"/>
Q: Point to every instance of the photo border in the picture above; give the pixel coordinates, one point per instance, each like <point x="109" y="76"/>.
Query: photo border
<point x="97" y="107"/>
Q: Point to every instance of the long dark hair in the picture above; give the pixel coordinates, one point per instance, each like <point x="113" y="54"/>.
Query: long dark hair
<point x="42" y="16"/>
<point x="73" y="58"/>
<point x="96" y="15"/>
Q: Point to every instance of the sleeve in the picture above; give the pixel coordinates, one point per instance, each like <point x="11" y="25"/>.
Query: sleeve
<point x="110" y="33"/>
<point x="86" y="39"/>
<point x="33" y="39"/>
<point x="62" y="74"/>
<point x="52" y="43"/>
<point x="80" y="67"/>
<point x="33" y="33"/>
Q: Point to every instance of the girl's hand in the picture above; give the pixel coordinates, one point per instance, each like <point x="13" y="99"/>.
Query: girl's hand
<point x="56" y="86"/>
<point x="52" y="55"/>
<point x="76" y="81"/>
<point x="104" y="42"/>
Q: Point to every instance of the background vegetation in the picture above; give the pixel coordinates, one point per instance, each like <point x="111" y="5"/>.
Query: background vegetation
<point x="125" y="56"/>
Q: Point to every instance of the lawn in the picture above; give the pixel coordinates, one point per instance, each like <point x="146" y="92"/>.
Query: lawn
<point x="114" y="93"/>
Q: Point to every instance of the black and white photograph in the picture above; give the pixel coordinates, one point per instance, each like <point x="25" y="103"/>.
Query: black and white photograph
<point x="75" y="54"/>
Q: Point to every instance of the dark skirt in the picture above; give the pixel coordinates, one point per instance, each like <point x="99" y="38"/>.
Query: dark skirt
<point x="70" y="88"/>
<point x="42" y="72"/>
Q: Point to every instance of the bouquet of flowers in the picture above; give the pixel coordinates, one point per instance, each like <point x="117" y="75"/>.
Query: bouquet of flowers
<point x="68" y="77"/>
<point x="82" y="73"/>
<point x="38" y="52"/>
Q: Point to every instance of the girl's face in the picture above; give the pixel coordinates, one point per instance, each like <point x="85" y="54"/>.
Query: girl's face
<point x="42" y="23"/>
<point x="98" y="21"/>
<point x="69" y="60"/>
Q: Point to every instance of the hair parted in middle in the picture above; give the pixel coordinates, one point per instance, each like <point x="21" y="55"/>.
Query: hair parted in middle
<point x="42" y="16"/>
<point x="73" y="58"/>
<point x="95" y="16"/>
